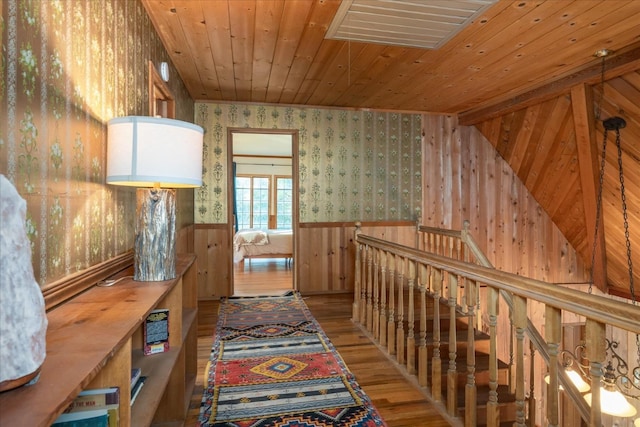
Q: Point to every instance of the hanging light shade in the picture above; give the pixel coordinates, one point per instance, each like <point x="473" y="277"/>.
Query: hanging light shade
<point x="581" y="385"/>
<point x="614" y="403"/>
<point x="577" y="381"/>
<point x="636" y="423"/>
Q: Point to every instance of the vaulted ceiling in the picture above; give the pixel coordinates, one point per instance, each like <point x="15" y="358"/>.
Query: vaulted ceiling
<point x="523" y="72"/>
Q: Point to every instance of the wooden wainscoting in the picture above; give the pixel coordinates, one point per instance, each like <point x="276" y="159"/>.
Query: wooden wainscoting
<point x="323" y="261"/>
<point x="326" y="252"/>
<point x="212" y="245"/>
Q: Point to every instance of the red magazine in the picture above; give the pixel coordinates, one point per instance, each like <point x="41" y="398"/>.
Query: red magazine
<point x="156" y="332"/>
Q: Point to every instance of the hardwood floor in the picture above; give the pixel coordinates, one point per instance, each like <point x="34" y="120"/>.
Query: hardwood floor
<point x="260" y="276"/>
<point x="398" y="400"/>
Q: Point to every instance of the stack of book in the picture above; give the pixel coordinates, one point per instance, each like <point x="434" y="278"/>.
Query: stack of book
<point x="92" y="408"/>
<point x="137" y="381"/>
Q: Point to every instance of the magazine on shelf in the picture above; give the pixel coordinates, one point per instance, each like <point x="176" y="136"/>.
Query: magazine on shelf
<point x="102" y="399"/>
<point x="156" y="332"/>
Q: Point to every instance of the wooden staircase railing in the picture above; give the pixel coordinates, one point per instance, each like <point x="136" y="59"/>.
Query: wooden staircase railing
<point x="447" y="269"/>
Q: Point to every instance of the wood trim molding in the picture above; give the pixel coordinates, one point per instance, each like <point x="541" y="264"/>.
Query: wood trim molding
<point x="161" y="100"/>
<point x="617" y="65"/>
<point x="584" y="120"/>
<point x="60" y="291"/>
<point x="353" y="224"/>
<point x="218" y="226"/>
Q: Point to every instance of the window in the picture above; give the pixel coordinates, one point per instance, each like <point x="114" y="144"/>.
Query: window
<point x="261" y="205"/>
<point x="252" y="201"/>
<point x="284" y="202"/>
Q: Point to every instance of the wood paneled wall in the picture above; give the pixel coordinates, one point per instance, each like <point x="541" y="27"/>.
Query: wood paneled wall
<point x="466" y="179"/>
<point x="324" y="262"/>
<point x="212" y="245"/>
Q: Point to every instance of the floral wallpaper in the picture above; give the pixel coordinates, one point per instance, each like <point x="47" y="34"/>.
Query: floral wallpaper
<point x="353" y="165"/>
<point x="68" y="66"/>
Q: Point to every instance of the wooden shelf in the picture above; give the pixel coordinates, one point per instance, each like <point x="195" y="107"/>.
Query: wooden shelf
<point x="93" y="341"/>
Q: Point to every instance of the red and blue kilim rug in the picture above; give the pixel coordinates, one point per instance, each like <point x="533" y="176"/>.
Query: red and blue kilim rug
<point x="272" y="366"/>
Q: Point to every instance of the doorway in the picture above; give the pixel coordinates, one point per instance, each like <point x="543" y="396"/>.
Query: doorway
<point x="263" y="216"/>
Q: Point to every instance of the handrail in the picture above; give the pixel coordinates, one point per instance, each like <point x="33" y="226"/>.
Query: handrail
<point x="601" y="309"/>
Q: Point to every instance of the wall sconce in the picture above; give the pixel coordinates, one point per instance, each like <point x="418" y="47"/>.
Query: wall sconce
<point x="157" y="155"/>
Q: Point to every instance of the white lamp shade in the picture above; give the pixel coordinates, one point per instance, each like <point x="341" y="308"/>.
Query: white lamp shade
<point x="151" y="151"/>
<point x="612" y="402"/>
<point x="575" y="378"/>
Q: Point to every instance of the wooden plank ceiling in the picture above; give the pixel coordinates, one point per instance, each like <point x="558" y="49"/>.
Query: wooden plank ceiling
<point x="523" y="72"/>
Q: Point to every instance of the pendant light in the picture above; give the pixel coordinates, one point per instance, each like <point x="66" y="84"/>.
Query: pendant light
<point x="613" y="398"/>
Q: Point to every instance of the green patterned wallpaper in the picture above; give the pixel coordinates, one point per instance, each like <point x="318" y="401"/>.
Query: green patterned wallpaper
<point x="353" y="165"/>
<point x="68" y="66"/>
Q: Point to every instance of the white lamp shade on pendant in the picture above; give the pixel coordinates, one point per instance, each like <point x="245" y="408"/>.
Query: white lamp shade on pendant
<point x="614" y="403"/>
<point x="151" y="152"/>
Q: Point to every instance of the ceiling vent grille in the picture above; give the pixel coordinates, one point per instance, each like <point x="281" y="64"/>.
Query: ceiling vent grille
<point x="426" y="24"/>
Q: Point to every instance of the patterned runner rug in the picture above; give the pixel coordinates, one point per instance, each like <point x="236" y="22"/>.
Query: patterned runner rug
<point x="272" y="366"/>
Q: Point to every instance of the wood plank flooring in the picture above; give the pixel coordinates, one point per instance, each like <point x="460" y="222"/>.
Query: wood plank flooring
<point x="262" y="277"/>
<point x="398" y="400"/>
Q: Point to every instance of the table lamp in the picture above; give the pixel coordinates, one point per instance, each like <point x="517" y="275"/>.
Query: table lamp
<point x="156" y="155"/>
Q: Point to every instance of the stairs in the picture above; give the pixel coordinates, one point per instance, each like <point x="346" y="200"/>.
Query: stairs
<point x="506" y="399"/>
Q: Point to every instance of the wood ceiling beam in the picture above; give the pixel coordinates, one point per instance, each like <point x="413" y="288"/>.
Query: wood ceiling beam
<point x="587" y="147"/>
<point x="617" y="65"/>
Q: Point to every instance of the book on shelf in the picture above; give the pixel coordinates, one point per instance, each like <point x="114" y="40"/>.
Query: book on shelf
<point x="106" y="400"/>
<point x="89" y="418"/>
<point x="135" y="391"/>
<point x="135" y="374"/>
<point x="156" y="332"/>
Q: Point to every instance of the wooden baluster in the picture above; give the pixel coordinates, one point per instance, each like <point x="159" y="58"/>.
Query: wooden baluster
<point x="531" y="420"/>
<point x="357" y="285"/>
<point x="376" y="297"/>
<point x="355" y="311"/>
<point x="452" y="372"/>
<point x="382" y="325"/>
<point x="363" y="290"/>
<point x="422" y="345"/>
<point x="512" y="363"/>
<point x="400" y="356"/>
<point x="520" y="323"/>
<point x="596" y="353"/>
<point x="411" y="340"/>
<point x="436" y="361"/>
<point x="553" y="332"/>
<point x="391" y="323"/>
<point x="493" y="413"/>
<point x="470" y="392"/>
<point x="369" y="317"/>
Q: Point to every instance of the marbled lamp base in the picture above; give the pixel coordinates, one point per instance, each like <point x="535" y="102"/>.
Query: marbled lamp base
<point x="155" y="245"/>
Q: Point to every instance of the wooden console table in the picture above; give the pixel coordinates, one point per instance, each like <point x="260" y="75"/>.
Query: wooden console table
<point x="93" y="341"/>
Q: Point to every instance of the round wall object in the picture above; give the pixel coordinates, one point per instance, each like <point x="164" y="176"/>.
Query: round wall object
<point x="164" y="71"/>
